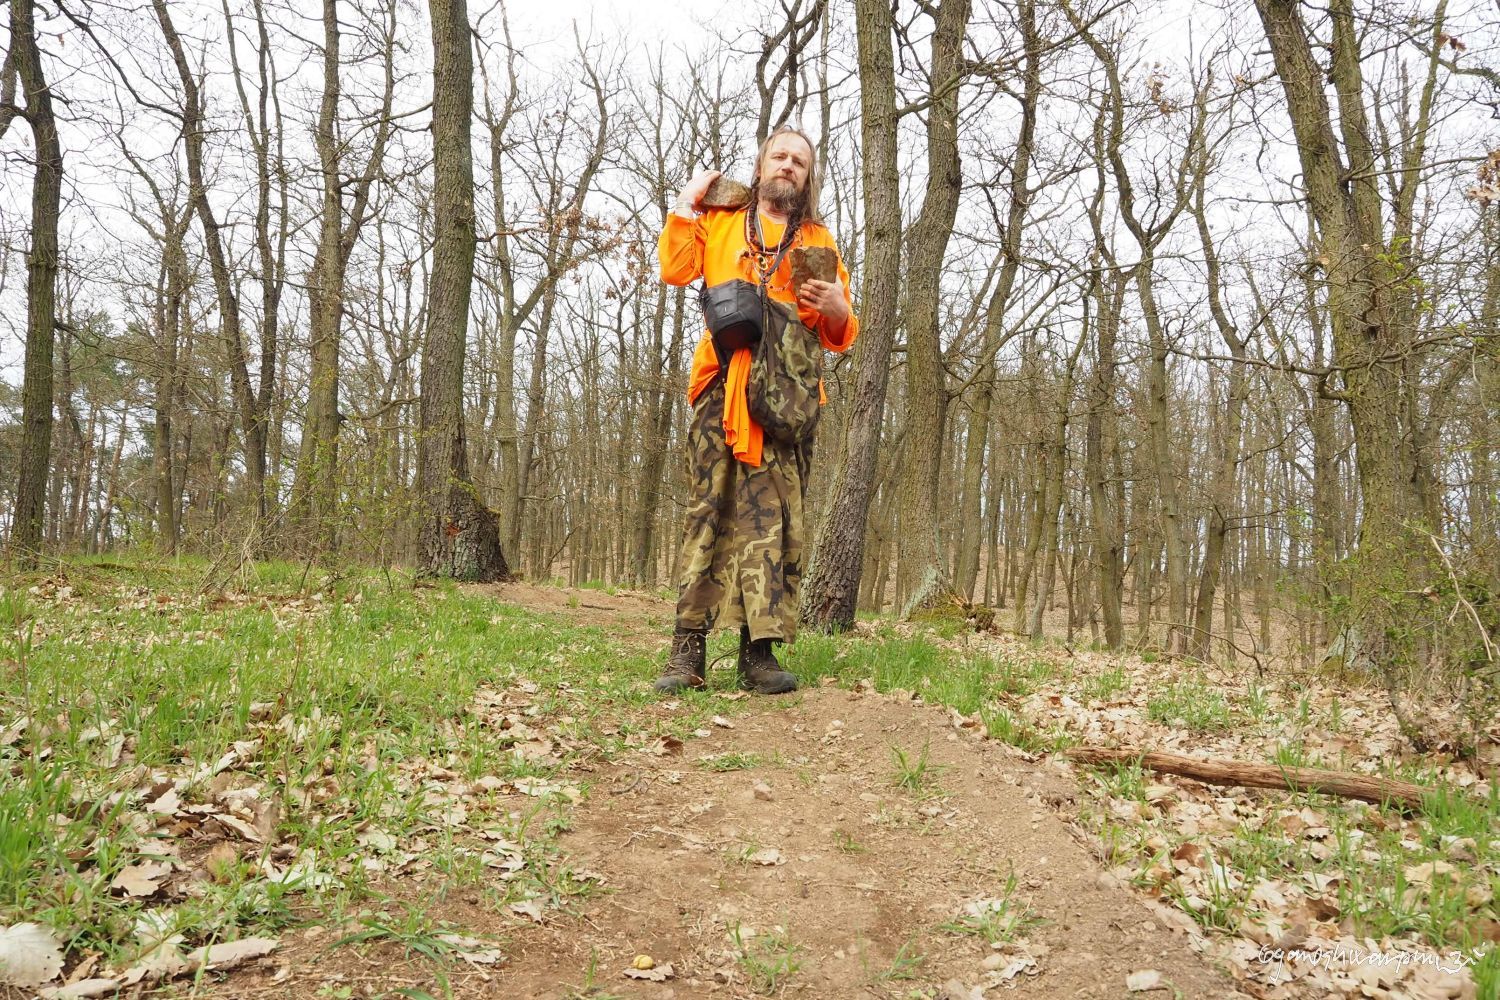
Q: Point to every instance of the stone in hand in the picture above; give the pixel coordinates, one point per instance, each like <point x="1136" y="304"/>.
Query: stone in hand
<point x="813" y="262"/>
<point x="725" y="192"/>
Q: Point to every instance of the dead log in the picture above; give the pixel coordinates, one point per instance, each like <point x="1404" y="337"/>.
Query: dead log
<point x="1238" y="772"/>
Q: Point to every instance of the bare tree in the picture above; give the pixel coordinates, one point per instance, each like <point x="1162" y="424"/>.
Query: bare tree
<point x="922" y="576"/>
<point x="251" y="405"/>
<point x="315" y="495"/>
<point x="458" y="535"/>
<point x="23" y="64"/>
<point x="1363" y="261"/>
<point x="831" y="587"/>
<point x="1019" y="195"/>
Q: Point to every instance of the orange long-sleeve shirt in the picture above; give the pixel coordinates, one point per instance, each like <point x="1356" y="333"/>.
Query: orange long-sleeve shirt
<point x="713" y="247"/>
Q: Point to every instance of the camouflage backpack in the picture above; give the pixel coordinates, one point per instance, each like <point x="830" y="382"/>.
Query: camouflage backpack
<point x="783" y="391"/>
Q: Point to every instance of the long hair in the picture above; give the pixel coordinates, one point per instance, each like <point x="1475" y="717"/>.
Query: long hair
<point x="807" y="209"/>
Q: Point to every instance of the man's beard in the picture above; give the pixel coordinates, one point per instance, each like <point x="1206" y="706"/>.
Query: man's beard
<point x="782" y="195"/>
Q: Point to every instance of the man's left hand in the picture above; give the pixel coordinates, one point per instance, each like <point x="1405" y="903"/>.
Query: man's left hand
<point x="826" y="298"/>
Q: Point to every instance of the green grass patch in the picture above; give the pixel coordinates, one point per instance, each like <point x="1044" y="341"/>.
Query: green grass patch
<point x="915" y="772"/>
<point x="768" y="960"/>
<point x="1106" y="685"/>
<point x="995" y="920"/>
<point x="337" y="702"/>
<point x="733" y="760"/>
<point x="1190" y="704"/>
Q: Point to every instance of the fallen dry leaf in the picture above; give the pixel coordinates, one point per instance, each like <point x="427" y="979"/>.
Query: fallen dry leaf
<point x="83" y="990"/>
<point x="378" y="841"/>
<point x="140" y="881"/>
<point x="528" y="908"/>
<point x="163" y="961"/>
<point x="662" y="746"/>
<point x="29" y="955"/>
<point x="655" y="974"/>
<point x="234" y="824"/>
<point x="231" y="953"/>
<point x="166" y="805"/>
<point x="955" y="989"/>
<point x="473" y="950"/>
<point x="1426" y="874"/>
<point x="221" y="860"/>
<point x="1190" y="853"/>
<point x="1143" y="981"/>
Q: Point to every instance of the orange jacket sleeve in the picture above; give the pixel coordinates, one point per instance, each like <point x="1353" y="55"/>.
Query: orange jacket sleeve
<point x="679" y="250"/>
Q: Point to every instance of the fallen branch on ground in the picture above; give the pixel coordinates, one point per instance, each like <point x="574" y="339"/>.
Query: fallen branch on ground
<point x="1235" y="772"/>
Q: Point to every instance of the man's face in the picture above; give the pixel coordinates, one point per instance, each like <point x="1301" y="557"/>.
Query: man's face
<point x="784" y="168"/>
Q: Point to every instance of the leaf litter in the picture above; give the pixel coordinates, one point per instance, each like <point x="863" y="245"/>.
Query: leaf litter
<point x="1185" y="861"/>
<point x="1185" y="844"/>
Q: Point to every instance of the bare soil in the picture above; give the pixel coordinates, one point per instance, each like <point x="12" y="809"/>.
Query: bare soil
<point x="812" y="850"/>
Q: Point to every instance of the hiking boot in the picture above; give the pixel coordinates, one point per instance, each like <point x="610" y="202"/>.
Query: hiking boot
<point x="685" y="667"/>
<point x="759" y="671"/>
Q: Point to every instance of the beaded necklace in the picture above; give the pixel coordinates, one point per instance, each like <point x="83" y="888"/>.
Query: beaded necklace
<point x="766" y="259"/>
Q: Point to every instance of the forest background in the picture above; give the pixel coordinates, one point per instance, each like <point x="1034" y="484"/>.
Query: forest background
<point x="1179" y="320"/>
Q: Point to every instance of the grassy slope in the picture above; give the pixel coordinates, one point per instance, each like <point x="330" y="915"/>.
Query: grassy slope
<point x="364" y="712"/>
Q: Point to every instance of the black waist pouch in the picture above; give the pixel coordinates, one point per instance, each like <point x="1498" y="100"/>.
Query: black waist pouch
<point x="735" y="314"/>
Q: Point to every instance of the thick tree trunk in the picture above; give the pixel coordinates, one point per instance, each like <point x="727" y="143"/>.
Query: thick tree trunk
<point x="1366" y="273"/>
<point x="458" y="535"/>
<point x="831" y="589"/>
<point x="41" y="284"/>
<point x="922" y="576"/>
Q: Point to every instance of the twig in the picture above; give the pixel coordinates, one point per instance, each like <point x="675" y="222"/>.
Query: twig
<point x="1260" y="670"/>
<point x="1490" y="648"/>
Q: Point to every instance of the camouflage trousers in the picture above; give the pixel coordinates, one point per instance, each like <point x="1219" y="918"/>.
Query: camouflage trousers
<point x="742" y="546"/>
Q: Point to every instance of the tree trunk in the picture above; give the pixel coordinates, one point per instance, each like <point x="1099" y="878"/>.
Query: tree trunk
<point x="831" y="588"/>
<point x="1234" y="772"/>
<point x="922" y="578"/>
<point x="661" y="411"/>
<point x="41" y="284"/>
<point x="1051" y="496"/>
<point x="315" y="496"/>
<point x="1099" y="445"/>
<point x="193" y="129"/>
<point x="315" y="493"/>
<point x="969" y="534"/>
<point x="458" y="536"/>
<point x="1365" y="273"/>
<point x="1223" y="488"/>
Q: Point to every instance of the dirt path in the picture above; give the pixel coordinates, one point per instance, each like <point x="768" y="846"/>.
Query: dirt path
<point x="812" y="849"/>
<point x="817" y="849"/>
<point x="775" y="853"/>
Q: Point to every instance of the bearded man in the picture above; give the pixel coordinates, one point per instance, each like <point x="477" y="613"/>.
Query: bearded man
<point x="743" y="543"/>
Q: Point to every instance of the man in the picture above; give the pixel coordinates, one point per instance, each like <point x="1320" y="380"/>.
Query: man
<point x="743" y="541"/>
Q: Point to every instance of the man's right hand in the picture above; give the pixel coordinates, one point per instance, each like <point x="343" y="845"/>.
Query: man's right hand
<point x="695" y="189"/>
